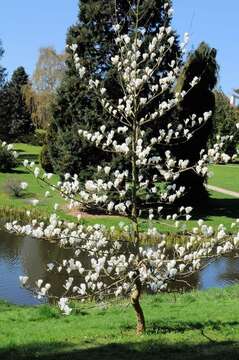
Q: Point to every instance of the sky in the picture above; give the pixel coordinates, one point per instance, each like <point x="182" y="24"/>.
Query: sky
<point x="27" y="25"/>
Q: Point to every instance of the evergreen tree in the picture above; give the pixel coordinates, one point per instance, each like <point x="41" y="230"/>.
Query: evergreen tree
<point x="5" y="113"/>
<point x="3" y="99"/>
<point x="2" y="69"/>
<point x="76" y="106"/>
<point x="202" y="64"/>
<point x="15" y="119"/>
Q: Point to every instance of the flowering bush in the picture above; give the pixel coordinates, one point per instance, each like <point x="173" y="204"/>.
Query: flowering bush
<point x="15" y="188"/>
<point x="7" y="157"/>
<point x="116" y="267"/>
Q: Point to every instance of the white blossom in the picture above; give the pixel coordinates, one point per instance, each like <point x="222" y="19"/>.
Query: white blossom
<point x="24" y="185"/>
<point x="23" y="279"/>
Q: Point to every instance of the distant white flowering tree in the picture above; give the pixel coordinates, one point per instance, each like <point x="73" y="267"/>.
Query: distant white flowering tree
<point x="113" y="266"/>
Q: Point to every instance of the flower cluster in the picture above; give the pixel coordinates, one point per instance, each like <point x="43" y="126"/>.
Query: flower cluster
<point x="9" y="148"/>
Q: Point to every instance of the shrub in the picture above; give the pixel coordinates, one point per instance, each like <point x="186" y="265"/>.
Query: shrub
<point x="15" y="188"/>
<point x="224" y="120"/>
<point x="7" y="160"/>
<point x="40" y="137"/>
<point x="45" y="160"/>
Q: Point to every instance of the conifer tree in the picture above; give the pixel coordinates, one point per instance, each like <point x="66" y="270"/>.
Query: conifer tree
<point x="3" y="102"/>
<point x="201" y="64"/>
<point x="2" y="69"/>
<point x="75" y="105"/>
<point x="15" y="119"/>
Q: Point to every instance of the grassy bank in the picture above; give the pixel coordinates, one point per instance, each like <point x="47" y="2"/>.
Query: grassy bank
<point x="221" y="208"/>
<point x="35" y="190"/>
<point x="197" y="325"/>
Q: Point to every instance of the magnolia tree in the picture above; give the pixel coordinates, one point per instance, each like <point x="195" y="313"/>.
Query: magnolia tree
<point x="115" y="263"/>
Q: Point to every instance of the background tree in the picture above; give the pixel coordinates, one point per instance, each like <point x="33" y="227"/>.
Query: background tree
<point x="224" y="119"/>
<point x="3" y="99"/>
<point x="7" y="157"/>
<point x="75" y="104"/>
<point x="15" y="119"/>
<point x="47" y="76"/>
<point x="2" y="69"/>
<point x="5" y="113"/>
<point x="201" y="64"/>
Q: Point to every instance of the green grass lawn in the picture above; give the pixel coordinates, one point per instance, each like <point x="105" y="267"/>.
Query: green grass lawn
<point x="225" y="176"/>
<point x="196" y="325"/>
<point x="36" y="189"/>
<point x="28" y="150"/>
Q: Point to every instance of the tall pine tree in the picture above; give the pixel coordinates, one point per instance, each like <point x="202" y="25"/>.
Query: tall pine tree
<point x="4" y="104"/>
<point x="202" y="64"/>
<point x="15" y="119"/>
<point x="2" y="69"/>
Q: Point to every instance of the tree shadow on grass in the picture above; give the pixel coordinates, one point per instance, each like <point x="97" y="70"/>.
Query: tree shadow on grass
<point x="31" y="157"/>
<point x="218" y="207"/>
<point x="154" y="345"/>
<point x="141" y="350"/>
<point x="14" y="171"/>
<point x="181" y="327"/>
<point x="28" y="196"/>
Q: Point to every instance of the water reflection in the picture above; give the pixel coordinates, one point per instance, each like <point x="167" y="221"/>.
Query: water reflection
<point x="28" y="256"/>
<point x="221" y="273"/>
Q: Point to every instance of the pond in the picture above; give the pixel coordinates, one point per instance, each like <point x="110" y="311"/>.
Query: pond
<point x="29" y="256"/>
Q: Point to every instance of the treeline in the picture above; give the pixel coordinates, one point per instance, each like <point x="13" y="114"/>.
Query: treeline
<point x="15" y="118"/>
<point x="26" y="103"/>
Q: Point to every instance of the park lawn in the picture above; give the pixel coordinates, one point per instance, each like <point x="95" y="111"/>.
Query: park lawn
<point x="225" y="176"/>
<point x="196" y="325"/>
<point x="28" y="151"/>
<point x="36" y="189"/>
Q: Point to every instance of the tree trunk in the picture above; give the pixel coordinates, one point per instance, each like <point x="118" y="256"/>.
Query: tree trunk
<point x="135" y="295"/>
